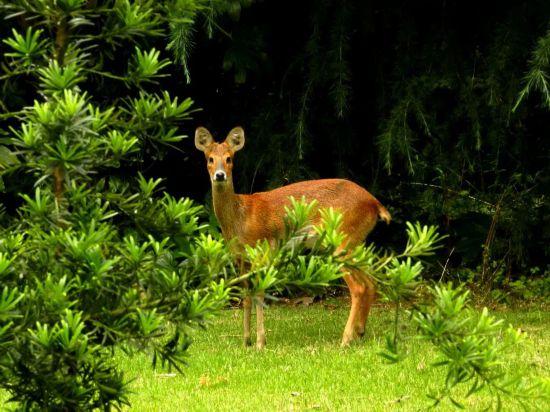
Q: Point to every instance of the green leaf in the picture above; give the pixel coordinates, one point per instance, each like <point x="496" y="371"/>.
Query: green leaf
<point x="26" y="49"/>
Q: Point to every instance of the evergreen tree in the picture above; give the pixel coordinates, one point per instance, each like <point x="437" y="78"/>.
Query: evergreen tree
<point x="93" y="256"/>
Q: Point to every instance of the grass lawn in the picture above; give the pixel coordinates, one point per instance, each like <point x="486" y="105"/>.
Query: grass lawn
<point x="303" y="367"/>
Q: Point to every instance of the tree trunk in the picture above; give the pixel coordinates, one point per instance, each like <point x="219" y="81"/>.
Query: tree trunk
<point x="61" y="40"/>
<point x="58" y="182"/>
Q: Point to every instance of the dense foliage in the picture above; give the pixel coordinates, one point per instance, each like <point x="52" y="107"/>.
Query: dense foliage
<point x="93" y="255"/>
<point x="437" y="110"/>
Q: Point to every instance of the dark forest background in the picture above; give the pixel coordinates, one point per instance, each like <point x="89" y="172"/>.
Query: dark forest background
<point x="413" y="101"/>
<point x="436" y="107"/>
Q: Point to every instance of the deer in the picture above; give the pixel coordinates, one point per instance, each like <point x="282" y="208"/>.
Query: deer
<point x="248" y="218"/>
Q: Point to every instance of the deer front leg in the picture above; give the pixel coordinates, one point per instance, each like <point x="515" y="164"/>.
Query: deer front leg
<point x="260" y="327"/>
<point x="247" y="305"/>
<point x="247" y="314"/>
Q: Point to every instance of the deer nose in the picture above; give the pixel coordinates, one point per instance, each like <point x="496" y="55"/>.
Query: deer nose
<point x="219" y="176"/>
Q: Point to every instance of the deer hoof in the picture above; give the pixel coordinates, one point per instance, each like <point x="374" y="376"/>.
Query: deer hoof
<point x="247" y="341"/>
<point x="346" y="341"/>
<point x="260" y="345"/>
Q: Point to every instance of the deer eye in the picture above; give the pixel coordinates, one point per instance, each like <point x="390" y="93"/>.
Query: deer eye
<point x="228" y="160"/>
<point x="210" y="160"/>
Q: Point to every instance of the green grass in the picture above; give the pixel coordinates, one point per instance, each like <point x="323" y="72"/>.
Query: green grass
<point x="303" y="367"/>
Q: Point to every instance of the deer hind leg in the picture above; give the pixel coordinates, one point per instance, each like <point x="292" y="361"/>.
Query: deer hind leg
<point x="362" y="296"/>
<point x="356" y="300"/>
<point x="260" y="327"/>
<point x="366" y="303"/>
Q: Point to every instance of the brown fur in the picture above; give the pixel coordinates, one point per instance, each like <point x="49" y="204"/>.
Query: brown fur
<point x="250" y="218"/>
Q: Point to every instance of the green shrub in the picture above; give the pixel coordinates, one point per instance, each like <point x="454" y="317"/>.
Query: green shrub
<point x="91" y="256"/>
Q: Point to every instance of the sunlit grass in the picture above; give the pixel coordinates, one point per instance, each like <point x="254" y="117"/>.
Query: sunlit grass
<point x="303" y="367"/>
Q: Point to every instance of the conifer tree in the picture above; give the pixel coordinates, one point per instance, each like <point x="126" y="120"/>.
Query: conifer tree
<point x="91" y="256"/>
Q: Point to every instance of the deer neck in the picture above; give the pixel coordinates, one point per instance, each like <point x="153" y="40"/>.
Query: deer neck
<point x="228" y="209"/>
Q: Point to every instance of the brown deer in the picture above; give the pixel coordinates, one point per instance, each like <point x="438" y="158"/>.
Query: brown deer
<point x="249" y="218"/>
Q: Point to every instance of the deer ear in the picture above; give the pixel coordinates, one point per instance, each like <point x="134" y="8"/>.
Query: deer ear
<point x="235" y="138"/>
<point x="203" y="139"/>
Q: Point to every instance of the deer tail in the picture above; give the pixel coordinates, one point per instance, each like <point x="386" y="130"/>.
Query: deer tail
<point x="383" y="213"/>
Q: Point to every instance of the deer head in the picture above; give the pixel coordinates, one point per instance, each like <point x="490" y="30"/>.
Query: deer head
<point x="219" y="156"/>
